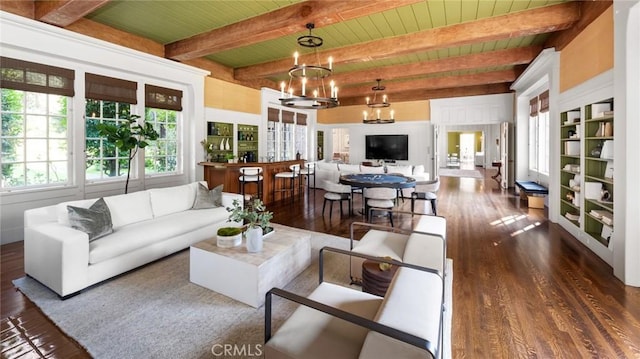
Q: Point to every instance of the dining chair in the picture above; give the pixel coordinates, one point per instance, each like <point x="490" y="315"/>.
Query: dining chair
<point x="336" y="192"/>
<point x="379" y="198"/>
<point x="426" y="191"/>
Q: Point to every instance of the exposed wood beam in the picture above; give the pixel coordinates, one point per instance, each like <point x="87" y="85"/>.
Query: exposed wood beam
<point x="516" y="56"/>
<point x="115" y="36"/>
<point x="590" y="10"/>
<point x="419" y="95"/>
<point x="21" y="8"/>
<point x="65" y="12"/>
<point x="432" y="83"/>
<point x="225" y="73"/>
<point x="537" y="21"/>
<point x="285" y="21"/>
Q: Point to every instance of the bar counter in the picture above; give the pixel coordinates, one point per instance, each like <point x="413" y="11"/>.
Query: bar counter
<point x="227" y="174"/>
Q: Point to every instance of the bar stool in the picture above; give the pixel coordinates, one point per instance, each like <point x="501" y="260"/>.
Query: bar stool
<point x="308" y="171"/>
<point x="291" y="177"/>
<point x="251" y="175"/>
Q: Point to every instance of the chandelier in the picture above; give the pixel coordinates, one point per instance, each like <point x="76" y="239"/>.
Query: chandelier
<point x="313" y="94"/>
<point x="375" y="117"/>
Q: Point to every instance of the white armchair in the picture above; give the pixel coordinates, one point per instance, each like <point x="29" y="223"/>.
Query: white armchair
<point x="426" y="191"/>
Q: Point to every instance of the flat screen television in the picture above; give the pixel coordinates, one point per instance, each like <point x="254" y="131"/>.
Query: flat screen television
<point x="387" y="147"/>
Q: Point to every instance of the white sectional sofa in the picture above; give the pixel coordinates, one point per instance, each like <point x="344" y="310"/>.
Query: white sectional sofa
<point x="147" y="225"/>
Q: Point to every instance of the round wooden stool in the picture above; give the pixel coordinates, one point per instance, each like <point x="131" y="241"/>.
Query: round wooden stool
<point x="374" y="280"/>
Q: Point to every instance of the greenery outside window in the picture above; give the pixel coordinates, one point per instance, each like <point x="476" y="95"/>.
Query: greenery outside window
<point x="35" y="139"/>
<point x="162" y="156"/>
<point x="103" y="160"/>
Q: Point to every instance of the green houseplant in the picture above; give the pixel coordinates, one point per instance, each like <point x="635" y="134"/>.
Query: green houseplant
<point x="255" y="217"/>
<point x="128" y="136"/>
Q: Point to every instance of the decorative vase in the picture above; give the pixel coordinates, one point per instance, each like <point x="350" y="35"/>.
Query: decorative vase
<point x="226" y="146"/>
<point x="254" y="239"/>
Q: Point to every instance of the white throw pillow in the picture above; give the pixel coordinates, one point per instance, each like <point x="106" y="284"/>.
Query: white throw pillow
<point x="418" y="170"/>
<point x="371" y="169"/>
<point x="129" y="208"/>
<point x="169" y="200"/>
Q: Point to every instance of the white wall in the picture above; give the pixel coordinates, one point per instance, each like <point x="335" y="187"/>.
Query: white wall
<point x="38" y="42"/>
<point x="626" y="241"/>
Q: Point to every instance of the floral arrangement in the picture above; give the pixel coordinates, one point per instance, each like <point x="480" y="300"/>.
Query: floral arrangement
<point x="254" y="215"/>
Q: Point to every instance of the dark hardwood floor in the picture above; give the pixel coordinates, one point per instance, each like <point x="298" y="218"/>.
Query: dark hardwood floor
<point x="523" y="287"/>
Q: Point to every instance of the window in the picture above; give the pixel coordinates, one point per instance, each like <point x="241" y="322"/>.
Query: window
<point x="163" y="106"/>
<point x="34" y="132"/>
<point x="301" y="135"/>
<point x="103" y="159"/>
<point x="539" y="133"/>
<point x="35" y="143"/>
<point x="163" y="156"/>
<point x="108" y="100"/>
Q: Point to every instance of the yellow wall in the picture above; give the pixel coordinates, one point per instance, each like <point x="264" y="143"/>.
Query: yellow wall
<point x="229" y="96"/>
<point x="404" y="111"/>
<point x="589" y="54"/>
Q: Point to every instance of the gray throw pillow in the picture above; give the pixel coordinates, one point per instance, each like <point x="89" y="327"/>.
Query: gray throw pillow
<point x="95" y="220"/>
<point x="208" y="199"/>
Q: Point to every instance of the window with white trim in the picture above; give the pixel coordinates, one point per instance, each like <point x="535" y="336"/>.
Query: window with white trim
<point x="163" y="111"/>
<point x="539" y="133"/>
<point x="108" y="100"/>
<point x="35" y="124"/>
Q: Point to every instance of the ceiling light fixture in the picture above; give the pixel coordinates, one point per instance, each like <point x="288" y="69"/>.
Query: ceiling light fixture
<point x="371" y="117"/>
<point x="311" y="79"/>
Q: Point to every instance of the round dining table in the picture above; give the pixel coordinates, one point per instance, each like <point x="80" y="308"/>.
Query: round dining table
<point x="369" y="180"/>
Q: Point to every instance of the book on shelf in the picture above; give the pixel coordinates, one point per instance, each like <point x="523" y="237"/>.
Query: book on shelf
<point x="572" y="216"/>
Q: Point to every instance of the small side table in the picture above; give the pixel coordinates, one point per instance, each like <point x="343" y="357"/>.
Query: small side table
<point x="374" y="280"/>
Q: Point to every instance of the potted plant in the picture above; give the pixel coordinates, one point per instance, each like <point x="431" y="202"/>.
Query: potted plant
<point x="128" y="136"/>
<point x="256" y="218"/>
<point x="231" y="158"/>
<point x="228" y="237"/>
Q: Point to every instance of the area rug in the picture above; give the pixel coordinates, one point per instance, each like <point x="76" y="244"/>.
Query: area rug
<point x="452" y="172"/>
<point x="155" y="312"/>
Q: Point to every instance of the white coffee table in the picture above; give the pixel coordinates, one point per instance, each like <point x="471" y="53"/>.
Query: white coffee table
<point x="245" y="276"/>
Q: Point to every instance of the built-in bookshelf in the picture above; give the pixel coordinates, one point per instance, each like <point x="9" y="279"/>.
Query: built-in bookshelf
<point x="570" y="177"/>
<point x="598" y="172"/>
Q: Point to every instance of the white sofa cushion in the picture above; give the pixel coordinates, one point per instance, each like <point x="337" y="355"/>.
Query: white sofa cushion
<point x="403" y="170"/>
<point x="424" y="250"/>
<point x="371" y="169"/>
<point x="172" y="199"/>
<point x="129" y="208"/>
<point x="327" y="166"/>
<point x="143" y="234"/>
<point x="418" y="170"/>
<point x="413" y="304"/>
<point x="347" y="168"/>
<point x="310" y="334"/>
<point x="382" y="244"/>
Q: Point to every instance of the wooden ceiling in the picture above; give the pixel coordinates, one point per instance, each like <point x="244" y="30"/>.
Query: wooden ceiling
<point x="421" y="49"/>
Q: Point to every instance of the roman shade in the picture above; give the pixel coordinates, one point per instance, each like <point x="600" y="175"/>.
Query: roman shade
<point x="301" y="119"/>
<point x="106" y="88"/>
<point x="273" y="114"/>
<point x="163" y="98"/>
<point x="287" y="116"/>
<point x="34" y="77"/>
